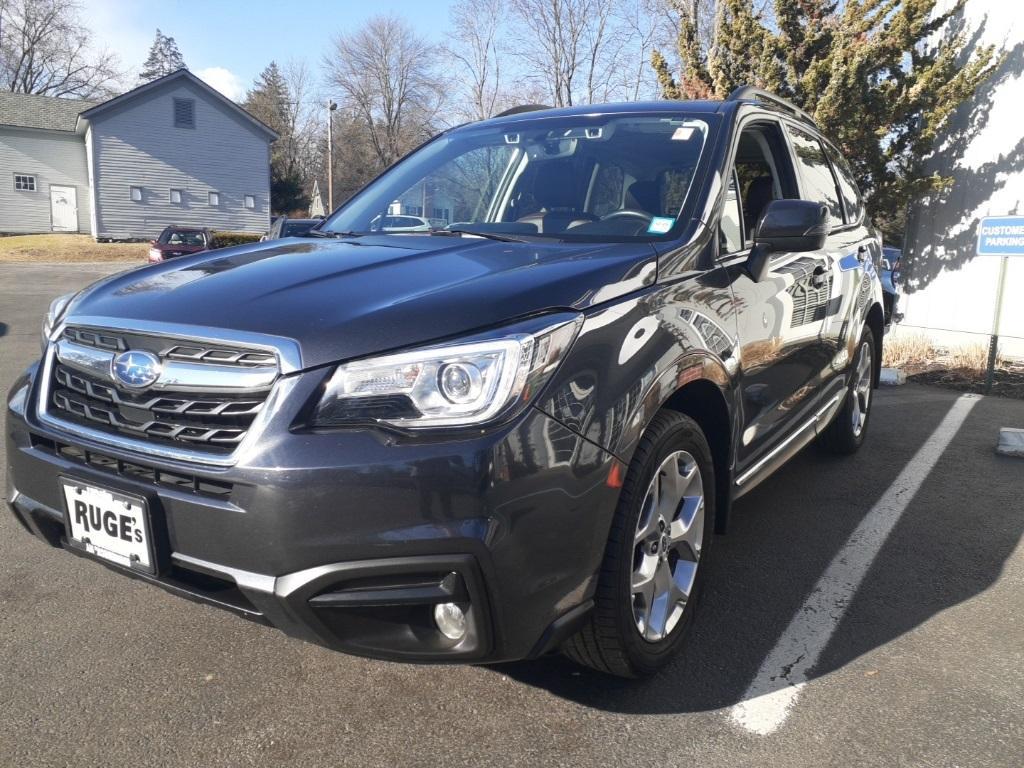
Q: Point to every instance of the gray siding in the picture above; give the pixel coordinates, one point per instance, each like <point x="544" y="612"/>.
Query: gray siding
<point x="138" y="145"/>
<point x="54" y="158"/>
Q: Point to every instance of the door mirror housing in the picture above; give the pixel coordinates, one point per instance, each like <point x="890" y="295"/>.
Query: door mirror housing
<point x="787" y="226"/>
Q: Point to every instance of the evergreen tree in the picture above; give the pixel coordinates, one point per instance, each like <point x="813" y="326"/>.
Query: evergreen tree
<point x="270" y="100"/>
<point x="880" y="78"/>
<point x="163" y="59"/>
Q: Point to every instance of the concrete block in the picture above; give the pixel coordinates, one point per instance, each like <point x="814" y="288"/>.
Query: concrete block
<point x="1011" y="442"/>
<point x="892" y="377"/>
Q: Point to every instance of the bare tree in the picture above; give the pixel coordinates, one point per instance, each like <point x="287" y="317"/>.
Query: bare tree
<point x="301" y="117"/>
<point x="477" y="51"/>
<point x="386" y="78"/>
<point x="45" y="49"/>
<point x="583" y="51"/>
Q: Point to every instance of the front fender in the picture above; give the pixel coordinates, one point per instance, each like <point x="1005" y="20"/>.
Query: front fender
<point x="631" y="358"/>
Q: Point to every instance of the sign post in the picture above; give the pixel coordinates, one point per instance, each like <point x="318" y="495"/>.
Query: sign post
<point x="1001" y="236"/>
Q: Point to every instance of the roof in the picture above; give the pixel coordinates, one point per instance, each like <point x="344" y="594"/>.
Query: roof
<point x="29" y="110"/>
<point x="181" y="74"/>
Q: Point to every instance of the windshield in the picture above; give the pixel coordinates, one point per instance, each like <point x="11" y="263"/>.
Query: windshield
<point x="575" y="178"/>
<point x="183" y="238"/>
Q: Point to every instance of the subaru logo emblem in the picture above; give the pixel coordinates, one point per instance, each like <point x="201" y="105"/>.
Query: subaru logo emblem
<point x="135" y="368"/>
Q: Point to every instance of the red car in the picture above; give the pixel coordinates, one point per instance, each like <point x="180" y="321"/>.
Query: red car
<point x="179" y="241"/>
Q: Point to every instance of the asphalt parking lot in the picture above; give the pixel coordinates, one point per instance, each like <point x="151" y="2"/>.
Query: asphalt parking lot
<point x="921" y="665"/>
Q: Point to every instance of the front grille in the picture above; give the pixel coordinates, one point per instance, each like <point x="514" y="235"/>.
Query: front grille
<point x="211" y="420"/>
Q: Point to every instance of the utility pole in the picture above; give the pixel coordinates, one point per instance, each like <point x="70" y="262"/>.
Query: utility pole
<point x="331" y="106"/>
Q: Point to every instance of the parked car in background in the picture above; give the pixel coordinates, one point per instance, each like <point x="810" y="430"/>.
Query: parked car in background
<point x="179" y="241"/>
<point x="890" y="276"/>
<point x="485" y="442"/>
<point x="285" y="227"/>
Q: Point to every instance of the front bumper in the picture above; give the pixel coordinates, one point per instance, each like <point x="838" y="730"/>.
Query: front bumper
<point x="350" y="538"/>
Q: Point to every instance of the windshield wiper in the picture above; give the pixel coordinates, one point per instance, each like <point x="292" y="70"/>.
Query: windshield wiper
<point x="331" y="233"/>
<point x="474" y="233"/>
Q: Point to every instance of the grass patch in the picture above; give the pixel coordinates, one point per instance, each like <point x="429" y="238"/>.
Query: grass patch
<point x="68" y="249"/>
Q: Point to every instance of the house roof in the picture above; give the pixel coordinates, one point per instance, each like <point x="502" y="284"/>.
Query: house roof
<point x="23" y="110"/>
<point x="28" y="110"/>
<point x="99" y="109"/>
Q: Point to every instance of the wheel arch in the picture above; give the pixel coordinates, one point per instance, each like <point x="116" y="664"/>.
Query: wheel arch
<point x="698" y="386"/>
<point x="703" y="401"/>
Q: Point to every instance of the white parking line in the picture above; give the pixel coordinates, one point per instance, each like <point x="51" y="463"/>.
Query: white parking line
<point x="784" y="672"/>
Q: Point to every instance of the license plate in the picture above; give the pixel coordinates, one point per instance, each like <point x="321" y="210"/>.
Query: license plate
<point x="108" y="524"/>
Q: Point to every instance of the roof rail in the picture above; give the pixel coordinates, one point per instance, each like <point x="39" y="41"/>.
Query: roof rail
<point x="522" y="108"/>
<point x="759" y="94"/>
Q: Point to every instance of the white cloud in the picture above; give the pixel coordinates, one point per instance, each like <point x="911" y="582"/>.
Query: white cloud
<point x="223" y="80"/>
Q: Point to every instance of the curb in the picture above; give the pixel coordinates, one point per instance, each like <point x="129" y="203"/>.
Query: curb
<point x="892" y="377"/>
<point x="1011" y="442"/>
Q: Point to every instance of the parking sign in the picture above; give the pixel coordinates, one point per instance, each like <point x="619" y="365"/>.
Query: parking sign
<point x="1001" y="236"/>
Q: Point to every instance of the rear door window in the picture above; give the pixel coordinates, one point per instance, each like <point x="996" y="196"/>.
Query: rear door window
<point x="818" y="182"/>
<point x="852" y="200"/>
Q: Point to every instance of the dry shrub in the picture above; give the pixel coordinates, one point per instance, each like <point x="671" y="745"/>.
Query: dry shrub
<point x="907" y="349"/>
<point x="972" y="357"/>
<point x="917" y="351"/>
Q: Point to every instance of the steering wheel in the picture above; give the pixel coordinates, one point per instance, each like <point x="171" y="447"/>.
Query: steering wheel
<point x="641" y="219"/>
<point x="631" y="213"/>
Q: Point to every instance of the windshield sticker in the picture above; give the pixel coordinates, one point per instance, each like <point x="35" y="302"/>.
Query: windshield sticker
<point x="683" y="133"/>
<point x="660" y="225"/>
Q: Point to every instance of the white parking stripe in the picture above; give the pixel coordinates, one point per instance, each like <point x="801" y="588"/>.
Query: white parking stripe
<point x="784" y="672"/>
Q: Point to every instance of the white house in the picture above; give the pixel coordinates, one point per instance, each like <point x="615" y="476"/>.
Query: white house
<point x="172" y="151"/>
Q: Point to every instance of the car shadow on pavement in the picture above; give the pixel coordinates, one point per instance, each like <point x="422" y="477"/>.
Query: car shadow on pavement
<point x="783" y="536"/>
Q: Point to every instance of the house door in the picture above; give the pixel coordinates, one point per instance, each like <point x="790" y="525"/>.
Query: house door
<point x="63" y="209"/>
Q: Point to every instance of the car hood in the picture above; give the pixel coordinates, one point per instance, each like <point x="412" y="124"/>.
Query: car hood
<point x="344" y="298"/>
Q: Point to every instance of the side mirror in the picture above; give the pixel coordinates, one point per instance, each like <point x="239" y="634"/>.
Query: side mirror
<point x="152" y="242"/>
<point x="787" y="226"/>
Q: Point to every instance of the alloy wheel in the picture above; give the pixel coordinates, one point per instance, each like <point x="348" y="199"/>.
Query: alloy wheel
<point x="861" y="391"/>
<point x="667" y="545"/>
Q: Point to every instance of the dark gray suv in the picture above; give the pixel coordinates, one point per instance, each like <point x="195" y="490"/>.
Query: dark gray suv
<point x="513" y="433"/>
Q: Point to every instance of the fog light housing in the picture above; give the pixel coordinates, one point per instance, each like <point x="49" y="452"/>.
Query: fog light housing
<point x="450" y="620"/>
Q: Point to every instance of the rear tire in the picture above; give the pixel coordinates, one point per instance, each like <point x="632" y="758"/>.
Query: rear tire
<point x="845" y="435"/>
<point x="650" y="581"/>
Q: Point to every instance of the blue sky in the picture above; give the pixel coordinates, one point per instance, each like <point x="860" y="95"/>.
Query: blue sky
<point x="228" y="42"/>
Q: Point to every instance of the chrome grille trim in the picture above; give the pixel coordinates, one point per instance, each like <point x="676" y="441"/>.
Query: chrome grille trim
<point x="286" y="350"/>
<point x="174" y="374"/>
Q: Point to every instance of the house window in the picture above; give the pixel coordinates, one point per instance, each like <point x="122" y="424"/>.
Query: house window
<point x="250" y="202"/>
<point x="176" y="196"/>
<point x="184" y="113"/>
<point x="24" y="182"/>
<point x="215" y="199"/>
<point x="135" y="193"/>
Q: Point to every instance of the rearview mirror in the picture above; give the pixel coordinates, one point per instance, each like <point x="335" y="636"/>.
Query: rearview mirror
<point x="787" y="226"/>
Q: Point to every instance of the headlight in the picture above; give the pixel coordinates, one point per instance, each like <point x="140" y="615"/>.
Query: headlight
<point x="54" y="314"/>
<point x="155" y="255"/>
<point x="454" y="385"/>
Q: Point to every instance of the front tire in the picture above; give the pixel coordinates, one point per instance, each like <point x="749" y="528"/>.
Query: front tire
<point x="650" y="581"/>
<point x="845" y="435"/>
